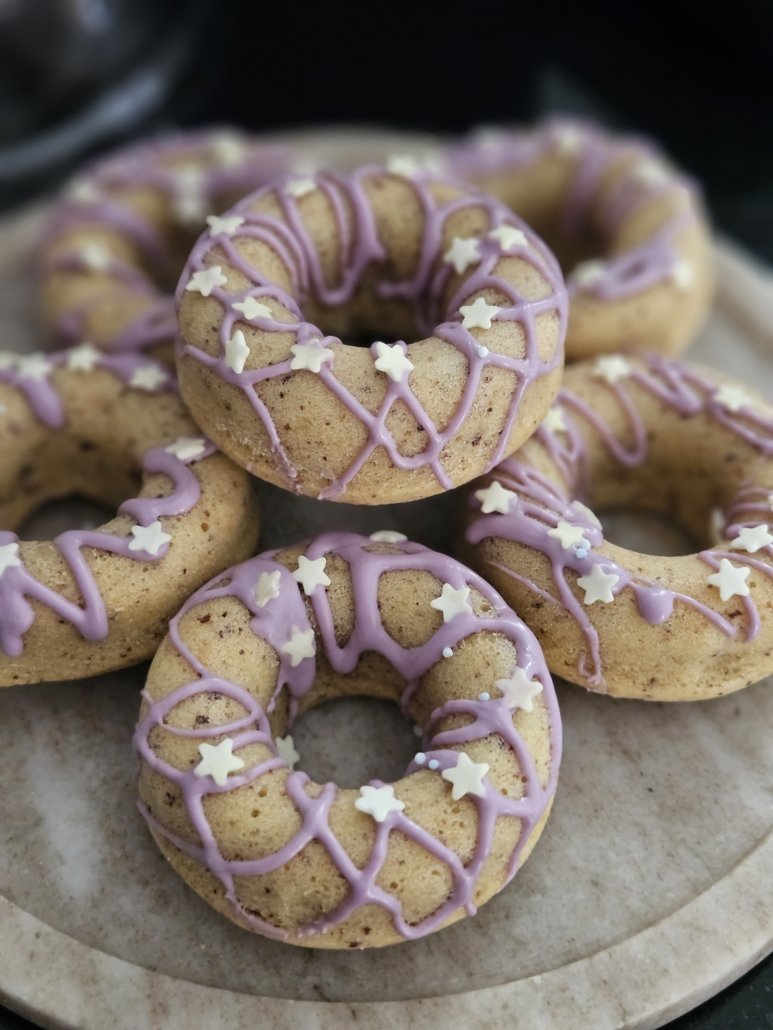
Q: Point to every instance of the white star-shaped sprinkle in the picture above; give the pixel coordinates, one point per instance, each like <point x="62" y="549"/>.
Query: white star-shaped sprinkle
<point x="519" y="691"/>
<point x="285" y="748"/>
<point x="403" y="164"/>
<point x="300" y="645"/>
<point x="251" y="308"/>
<point x="732" y="397"/>
<point x="95" y="257"/>
<point x="206" y="280"/>
<point x="730" y="580"/>
<point x="555" y="421"/>
<point x="311" y="574"/>
<point x="236" y="352"/>
<point x="507" y="236"/>
<point x="611" y="368"/>
<point x="310" y="356"/>
<point x="224" y="224"/>
<point x="683" y="275"/>
<point x="189" y="206"/>
<point x="452" y="602"/>
<point x="228" y="149"/>
<point x="83" y="358"/>
<point x="587" y="273"/>
<point x="149" y="539"/>
<point x="9" y="556"/>
<point x="378" y="802"/>
<point x="148" y="377"/>
<point x="478" y="315"/>
<point x="186" y="448"/>
<point x="33" y="366"/>
<point x="752" y="538"/>
<point x="388" y="536"/>
<point x="463" y="252"/>
<point x="392" y="360"/>
<point x="598" y="585"/>
<point x="495" y="498"/>
<point x="267" y="588"/>
<point x="650" y="172"/>
<point x="569" y="535"/>
<point x="300" y="187"/>
<point x="217" y="761"/>
<point x="466" y="777"/>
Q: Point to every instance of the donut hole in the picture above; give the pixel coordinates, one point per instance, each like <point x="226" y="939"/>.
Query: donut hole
<point x="51" y="518"/>
<point x="646" y="532"/>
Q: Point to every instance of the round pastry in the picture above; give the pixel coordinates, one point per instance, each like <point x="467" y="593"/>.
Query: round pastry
<point x="628" y="228"/>
<point x="115" y="244"/>
<point x="652" y="435"/>
<point x="318" y="865"/>
<point x="390" y="251"/>
<point x="104" y="427"/>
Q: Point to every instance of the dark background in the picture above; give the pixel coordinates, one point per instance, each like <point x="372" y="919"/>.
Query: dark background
<point x="79" y="75"/>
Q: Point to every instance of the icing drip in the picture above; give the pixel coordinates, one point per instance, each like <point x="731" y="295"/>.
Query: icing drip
<point x="423" y="290"/>
<point x="272" y="622"/>
<point x="539" y="505"/>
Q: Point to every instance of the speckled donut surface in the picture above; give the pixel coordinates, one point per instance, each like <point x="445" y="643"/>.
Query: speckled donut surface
<point x="388" y="252"/>
<point x="106" y="427"/>
<point x="628" y="227"/>
<point x="646" y="434"/>
<point x="315" y="864"/>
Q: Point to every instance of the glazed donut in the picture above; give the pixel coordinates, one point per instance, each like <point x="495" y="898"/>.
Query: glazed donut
<point x="628" y="228"/>
<point x="654" y="435"/>
<point x="318" y="865"/>
<point x="84" y="423"/>
<point x="397" y="249"/>
<point x="115" y="244"/>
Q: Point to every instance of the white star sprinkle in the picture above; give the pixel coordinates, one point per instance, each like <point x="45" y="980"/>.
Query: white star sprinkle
<point x="587" y="274"/>
<point x="267" y="588"/>
<point x="598" y="585"/>
<point x="752" y="538"/>
<point x="285" y="748"/>
<point x="388" y="536"/>
<point x="611" y="368"/>
<point x="149" y="539"/>
<point x="393" y="361"/>
<point x="495" y="498"/>
<point x="403" y="164"/>
<point x="311" y="574"/>
<point x="236" y="352"/>
<point x="555" y="421"/>
<point x="251" y="308"/>
<point x="310" y="356"/>
<point x="83" y="358"/>
<point x="463" y="252"/>
<point x="519" y="691"/>
<point x="33" y="366"/>
<point x="683" y="275"/>
<point x="206" y="280"/>
<point x="478" y="315"/>
<point x="300" y="187"/>
<point x="650" y="172"/>
<point x="224" y="224"/>
<point x="733" y="398"/>
<point x="95" y="257"/>
<point x="466" y="777"/>
<point x="300" y="645"/>
<point x="9" y="556"/>
<point x="217" y="761"/>
<point x="730" y="580"/>
<point x="189" y="205"/>
<point x="569" y="535"/>
<point x="148" y="377"/>
<point x="228" y="149"/>
<point x="186" y="448"/>
<point x="378" y="802"/>
<point x="507" y="236"/>
<point x="452" y="602"/>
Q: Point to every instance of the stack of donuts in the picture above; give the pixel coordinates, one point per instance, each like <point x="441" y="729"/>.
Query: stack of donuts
<point x="374" y="335"/>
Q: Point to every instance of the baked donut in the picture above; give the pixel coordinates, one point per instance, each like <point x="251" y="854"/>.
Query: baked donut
<point x="395" y="250"/>
<point x="105" y="427"/>
<point x="628" y="228"/>
<point x="654" y="435"/>
<point x="116" y="242"/>
<point x="318" y="865"/>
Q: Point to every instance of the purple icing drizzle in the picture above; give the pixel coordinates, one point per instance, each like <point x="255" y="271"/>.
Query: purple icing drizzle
<point x="540" y="504"/>
<point x="274" y="623"/>
<point x="423" y="290"/>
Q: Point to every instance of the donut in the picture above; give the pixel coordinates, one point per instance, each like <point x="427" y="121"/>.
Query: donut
<point x="645" y="434"/>
<point x="394" y="250"/>
<point x="106" y="427"/>
<point x="318" y="865"/>
<point x="114" y="245"/>
<point x="628" y="228"/>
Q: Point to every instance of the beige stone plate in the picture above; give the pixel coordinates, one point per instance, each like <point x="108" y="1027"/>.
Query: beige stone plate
<point x="648" y="892"/>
